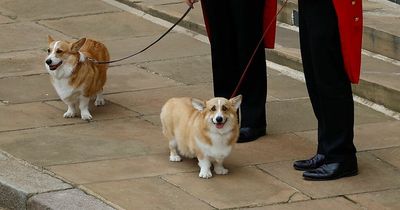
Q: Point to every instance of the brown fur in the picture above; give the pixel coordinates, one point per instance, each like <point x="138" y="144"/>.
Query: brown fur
<point x="93" y="76"/>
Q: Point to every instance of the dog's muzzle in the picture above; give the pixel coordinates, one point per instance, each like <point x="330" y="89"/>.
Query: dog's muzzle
<point x="219" y="122"/>
<point x="52" y="66"/>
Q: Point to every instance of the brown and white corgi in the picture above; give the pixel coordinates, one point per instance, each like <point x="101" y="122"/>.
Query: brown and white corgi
<point x="203" y="129"/>
<point x="76" y="78"/>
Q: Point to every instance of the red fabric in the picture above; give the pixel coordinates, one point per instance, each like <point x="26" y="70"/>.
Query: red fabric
<point x="350" y="21"/>
<point x="270" y="8"/>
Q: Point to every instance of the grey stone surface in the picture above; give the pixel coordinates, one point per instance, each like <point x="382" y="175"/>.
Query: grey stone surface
<point x="66" y="199"/>
<point x="43" y="9"/>
<point x="23" y="63"/>
<point x="18" y="181"/>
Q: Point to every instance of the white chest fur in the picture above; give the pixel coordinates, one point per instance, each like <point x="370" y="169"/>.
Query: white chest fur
<point x="219" y="149"/>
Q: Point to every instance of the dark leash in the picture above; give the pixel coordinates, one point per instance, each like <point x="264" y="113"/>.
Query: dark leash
<point x="235" y="92"/>
<point x="150" y="45"/>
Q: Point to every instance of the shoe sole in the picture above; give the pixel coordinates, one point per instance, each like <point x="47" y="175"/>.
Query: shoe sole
<point x="349" y="174"/>
<point x="304" y="169"/>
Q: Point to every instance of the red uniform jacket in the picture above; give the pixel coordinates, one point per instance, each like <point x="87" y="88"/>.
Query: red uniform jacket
<point x="350" y="21"/>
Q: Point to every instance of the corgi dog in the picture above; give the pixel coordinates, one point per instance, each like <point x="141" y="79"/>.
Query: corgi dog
<point x="206" y="130"/>
<point x="75" y="77"/>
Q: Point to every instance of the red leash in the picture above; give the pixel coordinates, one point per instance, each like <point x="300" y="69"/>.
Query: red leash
<point x="255" y="51"/>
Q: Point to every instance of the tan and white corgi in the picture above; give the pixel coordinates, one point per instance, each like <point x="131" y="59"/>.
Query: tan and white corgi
<point x="76" y="78"/>
<point x="203" y="129"/>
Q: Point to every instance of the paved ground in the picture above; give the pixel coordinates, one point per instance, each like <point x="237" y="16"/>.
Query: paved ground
<point x="120" y="159"/>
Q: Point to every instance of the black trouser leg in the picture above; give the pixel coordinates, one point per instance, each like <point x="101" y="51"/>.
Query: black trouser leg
<point x="236" y="28"/>
<point x="327" y="83"/>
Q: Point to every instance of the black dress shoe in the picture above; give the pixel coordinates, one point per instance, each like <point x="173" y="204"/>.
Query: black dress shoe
<point x="330" y="171"/>
<point x="248" y="134"/>
<point x="312" y="163"/>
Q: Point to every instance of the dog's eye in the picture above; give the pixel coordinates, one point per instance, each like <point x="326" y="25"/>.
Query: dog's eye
<point x="48" y="50"/>
<point x="224" y="108"/>
<point x="59" y="51"/>
<point x="213" y="109"/>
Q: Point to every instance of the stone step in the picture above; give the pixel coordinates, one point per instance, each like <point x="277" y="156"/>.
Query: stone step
<point x="381" y="35"/>
<point x="379" y="77"/>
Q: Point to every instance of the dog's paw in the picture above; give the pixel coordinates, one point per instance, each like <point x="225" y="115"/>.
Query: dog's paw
<point x="69" y="114"/>
<point x="86" y="116"/>
<point x="175" y="158"/>
<point x="221" y="170"/>
<point x="99" y="102"/>
<point x="205" y="174"/>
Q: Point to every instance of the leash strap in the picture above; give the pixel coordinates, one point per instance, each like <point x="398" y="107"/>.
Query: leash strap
<point x="235" y="92"/>
<point x="144" y="49"/>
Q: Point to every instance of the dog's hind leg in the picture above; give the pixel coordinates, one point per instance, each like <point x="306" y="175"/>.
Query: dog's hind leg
<point x="219" y="168"/>
<point x="99" y="99"/>
<point x="173" y="148"/>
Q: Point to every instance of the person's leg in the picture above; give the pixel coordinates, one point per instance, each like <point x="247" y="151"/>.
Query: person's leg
<point x="247" y="20"/>
<point x="223" y="49"/>
<point x="308" y="69"/>
<point x="333" y="90"/>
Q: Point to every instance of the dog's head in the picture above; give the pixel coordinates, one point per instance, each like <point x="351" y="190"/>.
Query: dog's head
<point x="219" y="113"/>
<point x="61" y="53"/>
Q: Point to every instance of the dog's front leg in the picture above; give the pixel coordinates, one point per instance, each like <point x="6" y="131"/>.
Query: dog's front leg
<point x="71" y="110"/>
<point x="84" y="107"/>
<point x="205" y="165"/>
<point x="219" y="168"/>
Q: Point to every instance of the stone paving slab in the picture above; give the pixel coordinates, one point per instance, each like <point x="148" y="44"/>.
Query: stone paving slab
<point x="390" y="155"/>
<point x="149" y="102"/>
<point x="122" y="169"/>
<point x="326" y="204"/>
<point x="15" y="37"/>
<point x="4" y="19"/>
<point x="18" y="181"/>
<point x="43" y="9"/>
<point x="374" y="175"/>
<point x="22" y="63"/>
<point x="67" y="199"/>
<point x="369" y="136"/>
<point x="147" y="193"/>
<point x="26" y="116"/>
<point x="177" y="46"/>
<point x="378" y="200"/>
<point x="270" y="148"/>
<point x="189" y="70"/>
<point x="26" y="89"/>
<point x="119" y="25"/>
<point x="222" y="191"/>
<point x="131" y="78"/>
<point x="84" y="142"/>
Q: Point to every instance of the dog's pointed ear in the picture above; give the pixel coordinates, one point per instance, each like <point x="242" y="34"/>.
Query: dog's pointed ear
<point x="236" y="101"/>
<point x="198" y="104"/>
<point x="77" y="45"/>
<point x="50" y="39"/>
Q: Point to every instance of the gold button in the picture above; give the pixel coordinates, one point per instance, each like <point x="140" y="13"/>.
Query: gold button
<point x="353" y="2"/>
<point x="356" y="19"/>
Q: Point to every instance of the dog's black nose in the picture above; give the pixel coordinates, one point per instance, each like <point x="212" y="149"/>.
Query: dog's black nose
<point x="48" y="61"/>
<point x="219" y="119"/>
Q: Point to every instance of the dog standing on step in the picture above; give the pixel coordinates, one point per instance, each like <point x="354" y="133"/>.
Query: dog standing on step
<point x="75" y="78"/>
<point x="203" y="129"/>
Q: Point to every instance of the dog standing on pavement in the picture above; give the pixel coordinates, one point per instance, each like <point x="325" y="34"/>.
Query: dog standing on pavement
<point x="75" y="78"/>
<point x="203" y="129"/>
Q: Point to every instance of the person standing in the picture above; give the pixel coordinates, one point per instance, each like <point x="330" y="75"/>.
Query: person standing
<point x="234" y="28"/>
<point x="330" y="43"/>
